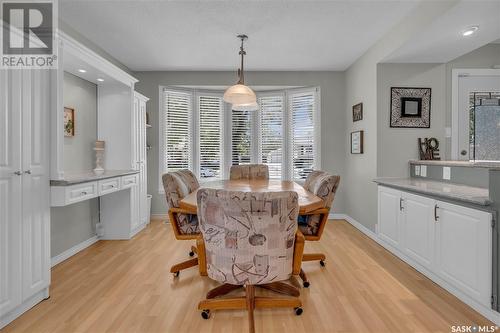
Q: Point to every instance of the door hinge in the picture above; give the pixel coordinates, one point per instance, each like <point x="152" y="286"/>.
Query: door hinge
<point x="493" y="221"/>
<point x="493" y="301"/>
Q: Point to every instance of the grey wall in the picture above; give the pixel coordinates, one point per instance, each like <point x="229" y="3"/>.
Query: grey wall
<point x="398" y="145"/>
<point x="80" y="95"/>
<point x="332" y="115"/>
<point x="73" y="224"/>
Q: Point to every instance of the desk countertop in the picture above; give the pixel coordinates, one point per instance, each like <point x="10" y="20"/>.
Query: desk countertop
<point x="89" y="176"/>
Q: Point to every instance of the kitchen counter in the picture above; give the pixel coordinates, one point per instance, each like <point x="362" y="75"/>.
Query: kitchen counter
<point x="458" y="192"/>
<point x="466" y="164"/>
<point x="89" y="176"/>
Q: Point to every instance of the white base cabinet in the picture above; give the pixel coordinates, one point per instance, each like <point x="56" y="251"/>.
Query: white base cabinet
<point x="449" y="242"/>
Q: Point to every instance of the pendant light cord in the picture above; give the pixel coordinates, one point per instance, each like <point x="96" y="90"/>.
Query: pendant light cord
<point x="241" y="73"/>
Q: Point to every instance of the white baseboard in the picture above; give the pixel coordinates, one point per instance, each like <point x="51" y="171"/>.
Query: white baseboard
<point x="25" y="306"/>
<point x="489" y="313"/>
<point x="159" y="216"/>
<point x="72" y="251"/>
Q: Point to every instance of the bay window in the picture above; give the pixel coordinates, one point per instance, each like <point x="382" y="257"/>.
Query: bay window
<point x="200" y="132"/>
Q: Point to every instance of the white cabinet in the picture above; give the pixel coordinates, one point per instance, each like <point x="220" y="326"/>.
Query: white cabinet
<point x="389" y="201"/>
<point x="24" y="188"/>
<point x="418" y="228"/>
<point x="139" y="154"/>
<point x="464" y="249"/>
<point x="451" y="244"/>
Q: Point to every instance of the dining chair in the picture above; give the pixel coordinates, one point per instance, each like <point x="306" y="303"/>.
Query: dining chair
<point x="249" y="239"/>
<point x="177" y="185"/>
<point x="312" y="224"/>
<point x="249" y="171"/>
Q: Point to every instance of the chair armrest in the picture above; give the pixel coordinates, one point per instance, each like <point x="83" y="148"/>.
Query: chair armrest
<point x="318" y="211"/>
<point x="298" y="251"/>
<point x="172" y="216"/>
<point x="202" y="257"/>
<point x="176" y="210"/>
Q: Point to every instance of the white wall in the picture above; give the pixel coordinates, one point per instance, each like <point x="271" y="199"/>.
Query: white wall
<point x="332" y="115"/>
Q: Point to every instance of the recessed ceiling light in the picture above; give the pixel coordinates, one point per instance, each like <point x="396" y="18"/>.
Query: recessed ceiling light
<point x="100" y="80"/>
<point x="82" y="70"/>
<point x="470" y="30"/>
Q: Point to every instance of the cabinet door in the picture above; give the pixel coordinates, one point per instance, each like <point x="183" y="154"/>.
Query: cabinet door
<point x="36" y="199"/>
<point x="464" y="254"/>
<point x="10" y="190"/>
<point x="389" y="204"/>
<point x="418" y="228"/>
<point x="143" y="168"/>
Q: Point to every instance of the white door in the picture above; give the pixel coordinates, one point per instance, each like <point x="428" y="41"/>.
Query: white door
<point x="36" y="214"/>
<point x="389" y="208"/>
<point x="10" y="190"/>
<point x="464" y="244"/>
<point x="468" y="84"/>
<point x="418" y="230"/>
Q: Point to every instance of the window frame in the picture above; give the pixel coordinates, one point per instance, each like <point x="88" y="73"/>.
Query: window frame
<point x="226" y="132"/>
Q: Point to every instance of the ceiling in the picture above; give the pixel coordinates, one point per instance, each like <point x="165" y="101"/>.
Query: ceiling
<point x="442" y="41"/>
<point x="200" y="35"/>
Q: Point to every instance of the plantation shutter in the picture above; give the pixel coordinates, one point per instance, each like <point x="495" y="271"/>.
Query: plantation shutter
<point x="241" y="137"/>
<point x="210" y="136"/>
<point x="302" y="108"/>
<point x="271" y="133"/>
<point x="177" y="131"/>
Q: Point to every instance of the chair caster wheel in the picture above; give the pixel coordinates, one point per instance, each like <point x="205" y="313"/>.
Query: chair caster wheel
<point x="298" y="311"/>
<point x="191" y="253"/>
<point x="205" y="314"/>
<point x="176" y="274"/>
<point x="322" y="263"/>
<point x="306" y="284"/>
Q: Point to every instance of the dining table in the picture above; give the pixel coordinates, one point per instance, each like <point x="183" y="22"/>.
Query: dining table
<point x="308" y="202"/>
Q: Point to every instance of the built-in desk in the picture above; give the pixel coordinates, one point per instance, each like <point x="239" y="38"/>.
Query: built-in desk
<point x="84" y="186"/>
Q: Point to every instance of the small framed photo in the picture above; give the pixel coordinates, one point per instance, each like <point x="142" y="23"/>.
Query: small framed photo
<point x="357" y="142"/>
<point x="69" y="122"/>
<point x="357" y="112"/>
<point x="410" y="107"/>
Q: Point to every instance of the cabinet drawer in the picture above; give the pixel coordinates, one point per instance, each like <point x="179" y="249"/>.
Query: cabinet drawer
<point x="130" y="180"/>
<point x="109" y="185"/>
<point x="81" y="192"/>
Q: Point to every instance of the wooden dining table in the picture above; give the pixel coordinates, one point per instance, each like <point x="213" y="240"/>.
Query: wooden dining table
<point x="307" y="201"/>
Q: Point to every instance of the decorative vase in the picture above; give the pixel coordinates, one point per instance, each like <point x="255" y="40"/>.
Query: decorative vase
<point x="99" y="157"/>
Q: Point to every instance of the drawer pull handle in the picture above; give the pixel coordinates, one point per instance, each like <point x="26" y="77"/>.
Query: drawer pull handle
<point x="18" y="173"/>
<point x="83" y="193"/>
<point x="401" y="204"/>
<point x="436" y="217"/>
<point x="28" y="172"/>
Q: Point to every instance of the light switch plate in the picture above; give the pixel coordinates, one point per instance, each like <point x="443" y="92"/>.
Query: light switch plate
<point x="447" y="173"/>
<point x="423" y="170"/>
<point x="417" y="170"/>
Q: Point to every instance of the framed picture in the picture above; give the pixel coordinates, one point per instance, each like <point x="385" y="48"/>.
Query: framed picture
<point x="357" y="112"/>
<point x="69" y="122"/>
<point x="410" y="107"/>
<point x="357" y="142"/>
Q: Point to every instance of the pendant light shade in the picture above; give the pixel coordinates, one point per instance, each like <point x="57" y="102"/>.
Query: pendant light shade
<point x="240" y="94"/>
<point x="246" y="107"/>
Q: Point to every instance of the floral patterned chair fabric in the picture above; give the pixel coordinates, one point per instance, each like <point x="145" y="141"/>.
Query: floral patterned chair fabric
<point x="189" y="179"/>
<point x="249" y="236"/>
<point x="176" y="189"/>
<point x="249" y="171"/>
<point x="324" y="186"/>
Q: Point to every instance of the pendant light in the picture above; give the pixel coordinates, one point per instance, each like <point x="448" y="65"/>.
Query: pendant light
<point x="240" y="94"/>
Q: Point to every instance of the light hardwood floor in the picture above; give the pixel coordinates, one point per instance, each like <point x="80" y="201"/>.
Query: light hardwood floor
<point x="125" y="286"/>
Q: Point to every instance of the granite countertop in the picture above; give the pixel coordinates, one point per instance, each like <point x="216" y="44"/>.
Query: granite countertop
<point x="458" y="192"/>
<point x="89" y="176"/>
<point x="467" y="164"/>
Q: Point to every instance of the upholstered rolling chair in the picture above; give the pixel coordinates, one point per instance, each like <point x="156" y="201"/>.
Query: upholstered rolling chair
<point x="249" y="171"/>
<point x="313" y="223"/>
<point x="249" y="239"/>
<point x="185" y="225"/>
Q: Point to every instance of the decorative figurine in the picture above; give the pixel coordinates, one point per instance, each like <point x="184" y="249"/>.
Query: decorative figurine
<point x="428" y="149"/>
